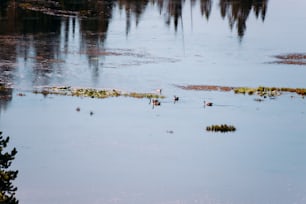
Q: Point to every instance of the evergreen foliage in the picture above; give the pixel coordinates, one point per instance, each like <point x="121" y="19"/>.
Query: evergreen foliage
<point x="7" y="190"/>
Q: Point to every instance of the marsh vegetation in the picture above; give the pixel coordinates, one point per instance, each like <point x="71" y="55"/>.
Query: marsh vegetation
<point x="262" y="91"/>
<point x="221" y="128"/>
<point x="93" y="93"/>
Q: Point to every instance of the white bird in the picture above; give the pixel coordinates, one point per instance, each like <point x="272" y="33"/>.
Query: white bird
<point x="159" y="91"/>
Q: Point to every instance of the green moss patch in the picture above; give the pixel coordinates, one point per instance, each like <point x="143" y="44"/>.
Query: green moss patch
<point x="93" y="93"/>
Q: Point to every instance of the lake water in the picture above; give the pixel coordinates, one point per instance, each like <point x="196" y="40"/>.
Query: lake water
<point x="128" y="152"/>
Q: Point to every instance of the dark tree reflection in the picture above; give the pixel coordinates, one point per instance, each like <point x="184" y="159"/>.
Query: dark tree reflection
<point x="174" y="9"/>
<point x="5" y="96"/>
<point x="132" y="8"/>
<point x="99" y="13"/>
<point x="237" y="12"/>
<point x="94" y="32"/>
<point x="260" y="8"/>
<point x="206" y="6"/>
<point x="8" y="43"/>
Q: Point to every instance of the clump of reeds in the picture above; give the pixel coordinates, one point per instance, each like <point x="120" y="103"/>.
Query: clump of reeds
<point x="93" y="93"/>
<point x="221" y="128"/>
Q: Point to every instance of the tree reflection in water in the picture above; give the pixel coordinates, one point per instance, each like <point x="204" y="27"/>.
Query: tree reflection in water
<point x="237" y="12"/>
<point x="5" y="96"/>
<point x="206" y="6"/>
<point x="38" y="32"/>
<point x="99" y="13"/>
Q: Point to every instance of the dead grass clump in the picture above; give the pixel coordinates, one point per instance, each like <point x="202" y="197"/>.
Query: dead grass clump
<point x="296" y="56"/>
<point x="93" y="93"/>
<point x="262" y="91"/>
<point x="221" y="128"/>
<point x="291" y="59"/>
<point x="207" y="87"/>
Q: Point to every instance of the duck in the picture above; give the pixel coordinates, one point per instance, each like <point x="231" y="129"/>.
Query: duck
<point x="154" y="101"/>
<point x="175" y="98"/>
<point x="208" y="103"/>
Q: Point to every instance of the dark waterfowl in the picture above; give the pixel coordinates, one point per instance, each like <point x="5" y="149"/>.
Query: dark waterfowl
<point x="258" y="99"/>
<point x="175" y="98"/>
<point x="206" y="103"/>
<point x="155" y="102"/>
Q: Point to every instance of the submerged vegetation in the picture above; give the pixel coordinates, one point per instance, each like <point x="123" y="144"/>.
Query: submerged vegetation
<point x="5" y="92"/>
<point x="262" y="91"/>
<point x="295" y="59"/>
<point x="93" y="93"/>
<point x="221" y="128"/>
